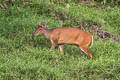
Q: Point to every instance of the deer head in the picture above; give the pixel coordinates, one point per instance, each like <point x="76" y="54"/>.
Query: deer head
<point x="40" y="29"/>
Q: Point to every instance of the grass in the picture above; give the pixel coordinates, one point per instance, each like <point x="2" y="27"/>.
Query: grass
<point x="26" y="58"/>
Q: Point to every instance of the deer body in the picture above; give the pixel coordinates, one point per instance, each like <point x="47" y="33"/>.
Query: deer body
<point x="68" y="35"/>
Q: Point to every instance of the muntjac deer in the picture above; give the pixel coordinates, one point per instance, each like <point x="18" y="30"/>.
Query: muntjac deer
<point x="66" y="35"/>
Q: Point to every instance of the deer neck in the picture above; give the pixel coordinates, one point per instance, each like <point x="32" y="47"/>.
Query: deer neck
<point x="47" y="33"/>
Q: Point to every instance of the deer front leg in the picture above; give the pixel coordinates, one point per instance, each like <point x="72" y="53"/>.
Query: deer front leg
<point x="53" y="45"/>
<point x="61" y="49"/>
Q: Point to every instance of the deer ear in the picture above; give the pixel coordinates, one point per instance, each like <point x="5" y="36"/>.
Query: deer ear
<point x="37" y="26"/>
<point x="44" y="24"/>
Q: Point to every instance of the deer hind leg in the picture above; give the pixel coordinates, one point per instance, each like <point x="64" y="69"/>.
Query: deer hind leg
<point x="87" y="52"/>
<point x="61" y="49"/>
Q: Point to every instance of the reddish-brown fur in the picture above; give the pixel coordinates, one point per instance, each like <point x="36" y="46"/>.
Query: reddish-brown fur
<point x="66" y="35"/>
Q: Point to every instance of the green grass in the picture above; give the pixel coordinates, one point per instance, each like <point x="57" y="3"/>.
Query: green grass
<point x="25" y="58"/>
